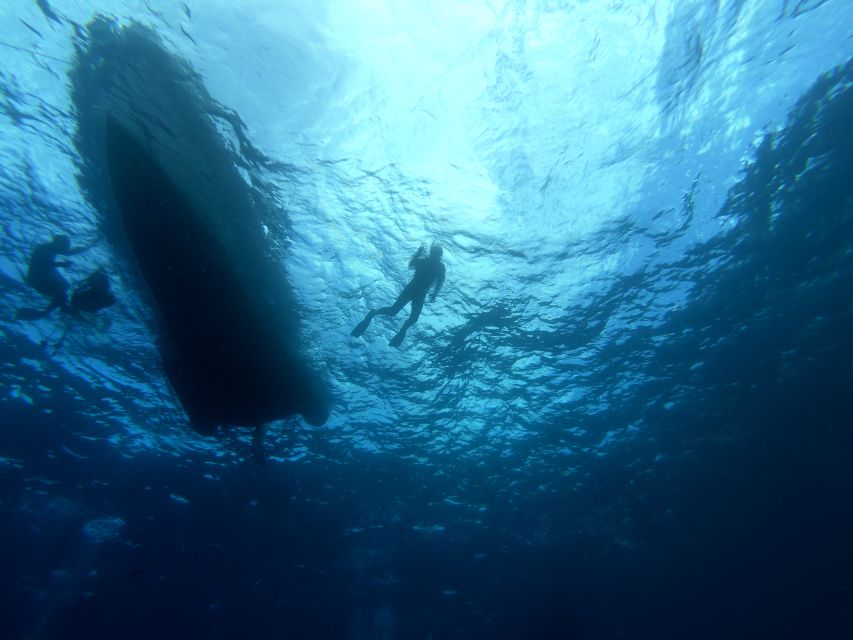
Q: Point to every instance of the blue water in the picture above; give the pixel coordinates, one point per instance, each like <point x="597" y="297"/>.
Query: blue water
<point x="627" y="413"/>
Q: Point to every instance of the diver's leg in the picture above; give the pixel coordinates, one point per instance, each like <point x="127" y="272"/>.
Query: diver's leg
<point x="52" y="285"/>
<point x="417" y="307"/>
<point x="38" y="314"/>
<point x="394" y="309"/>
<point x="30" y="314"/>
<point x="399" y="303"/>
<point x="58" y="292"/>
<point x="361" y="327"/>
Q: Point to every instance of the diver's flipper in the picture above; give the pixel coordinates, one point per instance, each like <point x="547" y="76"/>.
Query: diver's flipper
<point x="362" y="326"/>
<point x="30" y="314"/>
<point x="396" y="340"/>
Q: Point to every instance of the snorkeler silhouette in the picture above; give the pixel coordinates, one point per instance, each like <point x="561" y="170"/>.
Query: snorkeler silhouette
<point x="43" y="275"/>
<point x="428" y="270"/>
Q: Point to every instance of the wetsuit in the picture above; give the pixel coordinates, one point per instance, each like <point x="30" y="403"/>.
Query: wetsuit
<point x="428" y="271"/>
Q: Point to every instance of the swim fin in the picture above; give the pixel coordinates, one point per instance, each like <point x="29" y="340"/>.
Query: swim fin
<point x="29" y="314"/>
<point x="362" y="326"/>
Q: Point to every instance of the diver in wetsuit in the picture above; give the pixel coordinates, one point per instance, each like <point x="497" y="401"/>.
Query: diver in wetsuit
<point x="43" y="275"/>
<point x="428" y="270"/>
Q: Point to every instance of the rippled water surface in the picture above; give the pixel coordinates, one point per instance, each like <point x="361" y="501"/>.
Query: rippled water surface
<point x="625" y="416"/>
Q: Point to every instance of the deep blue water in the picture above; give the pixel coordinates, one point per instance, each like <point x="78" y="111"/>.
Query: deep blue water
<point x="627" y="414"/>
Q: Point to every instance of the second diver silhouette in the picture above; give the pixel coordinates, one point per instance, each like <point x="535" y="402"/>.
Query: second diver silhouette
<point x="429" y="270"/>
<point x="43" y="275"/>
<point x="91" y="295"/>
